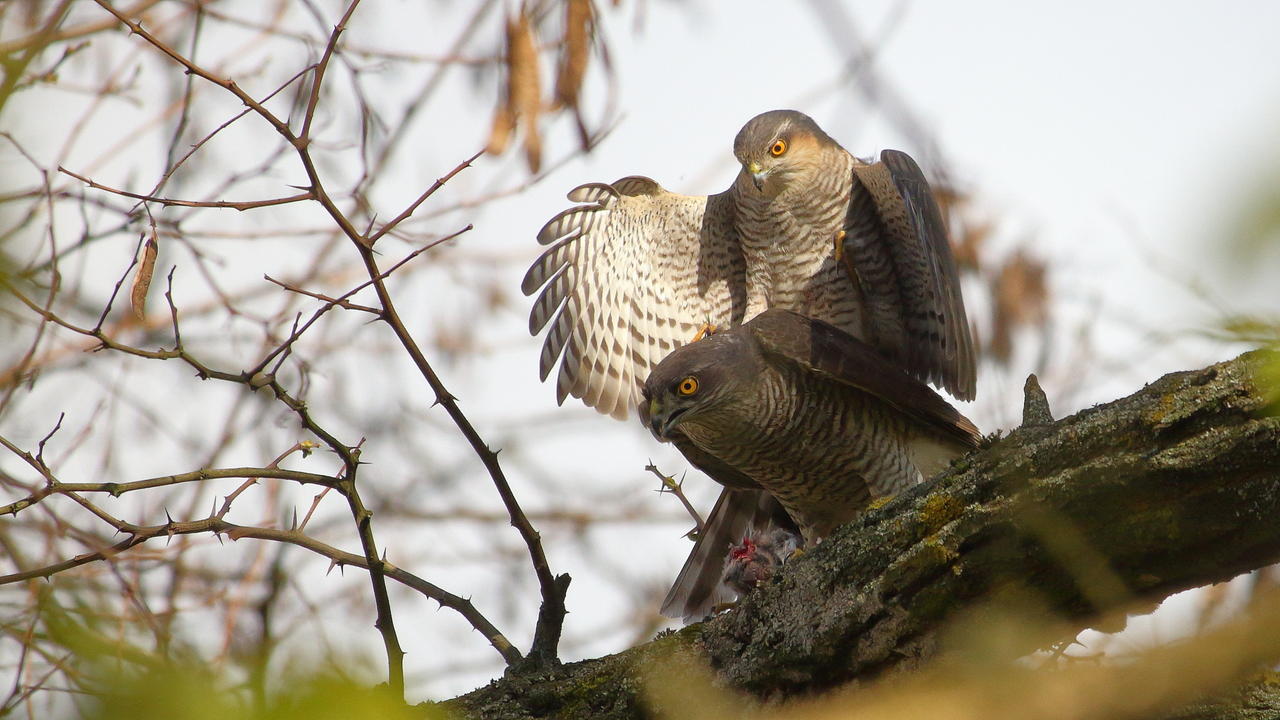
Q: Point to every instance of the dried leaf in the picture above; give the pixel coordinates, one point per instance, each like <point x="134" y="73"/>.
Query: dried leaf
<point x="142" y="279"/>
<point x="532" y="147"/>
<point x="525" y="91"/>
<point x="575" y="53"/>
<point x="1021" y="298"/>
<point x="967" y="235"/>
<point x="504" y="121"/>
<point x="967" y="244"/>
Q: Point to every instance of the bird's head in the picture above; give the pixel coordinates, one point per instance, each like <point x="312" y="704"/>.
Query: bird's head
<point x="692" y="382"/>
<point x="777" y="146"/>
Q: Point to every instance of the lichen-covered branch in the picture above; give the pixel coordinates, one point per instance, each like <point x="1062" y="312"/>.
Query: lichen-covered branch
<point x="1173" y="487"/>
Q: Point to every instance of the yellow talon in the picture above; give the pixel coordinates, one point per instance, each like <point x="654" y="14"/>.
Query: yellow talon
<point x="706" y="330"/>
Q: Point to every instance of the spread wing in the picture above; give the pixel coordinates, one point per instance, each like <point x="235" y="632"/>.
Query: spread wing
<point x="896" y="249"/>
<point x="816" y="346"/>
<point x="631" y="274"/>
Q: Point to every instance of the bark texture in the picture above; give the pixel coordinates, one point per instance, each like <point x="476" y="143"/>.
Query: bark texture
<point x="1173" y="487"/>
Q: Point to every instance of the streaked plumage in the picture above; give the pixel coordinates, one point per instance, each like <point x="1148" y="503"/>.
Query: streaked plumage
<point x="634" y="271"/>
<point x="819" y="420"/>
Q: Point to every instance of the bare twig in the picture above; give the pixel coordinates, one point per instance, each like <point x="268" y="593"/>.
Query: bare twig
<point x="439" y="183"/>
<point x="670" y="485"/>
<point x="139" y="534"/>
<point x="385" y="622"/>
<point x="232" y="204"/>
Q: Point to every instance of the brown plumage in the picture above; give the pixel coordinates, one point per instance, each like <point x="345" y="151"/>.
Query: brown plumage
<point x="635" y="271"/>
<point x="799" y="409"/>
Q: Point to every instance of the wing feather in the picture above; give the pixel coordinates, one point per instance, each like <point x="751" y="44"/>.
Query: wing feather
<point x="554" y="343"/>
<point x="816" y="346"/>
<point x="630" y="275"/>
<point x="903" y="263"/>
<point x="545" y="307"/>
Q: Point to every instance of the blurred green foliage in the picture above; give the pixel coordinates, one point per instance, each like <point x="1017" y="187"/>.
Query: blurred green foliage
<point x="194" y="693"/>
<point x="1255" y="238"/>
<point x="1254" y="248"/>
<point x="113" y="674"/>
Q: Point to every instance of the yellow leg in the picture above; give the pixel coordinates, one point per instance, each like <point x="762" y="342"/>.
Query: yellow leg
<point x="840" y="236"/>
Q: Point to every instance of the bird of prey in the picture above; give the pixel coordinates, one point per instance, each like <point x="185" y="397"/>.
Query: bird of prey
<point x="635" y="271"/>
<point x="795" y="407"/>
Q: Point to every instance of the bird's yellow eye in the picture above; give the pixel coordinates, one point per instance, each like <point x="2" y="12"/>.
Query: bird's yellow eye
<point x="688" y="386"/>
<point x="779" y="146"/>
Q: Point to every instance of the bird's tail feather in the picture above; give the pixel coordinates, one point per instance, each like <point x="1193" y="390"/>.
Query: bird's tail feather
<point x="698" y="588"/>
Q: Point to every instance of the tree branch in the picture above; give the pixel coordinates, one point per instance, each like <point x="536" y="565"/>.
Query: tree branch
<point x="1174" y="487"/>
<point x="234" y="205"/>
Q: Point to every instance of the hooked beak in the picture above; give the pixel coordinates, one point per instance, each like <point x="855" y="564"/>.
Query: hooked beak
<point x="660" y="423"/>
<point x="758" y="174"/>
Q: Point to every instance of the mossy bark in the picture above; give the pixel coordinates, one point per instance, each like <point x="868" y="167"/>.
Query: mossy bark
<point x="1173" y="487"/>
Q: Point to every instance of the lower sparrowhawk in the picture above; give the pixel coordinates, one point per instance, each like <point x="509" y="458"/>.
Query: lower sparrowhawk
<point x="803" y="411"/>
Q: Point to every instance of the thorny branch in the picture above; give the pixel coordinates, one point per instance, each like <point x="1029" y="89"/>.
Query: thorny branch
<point x="234" y="205"/>
<point x="40" y="299"/>
<point x="670" y="485"/>
<point x="385" y="620"/>
<point x="553" y="588"/>
<point x="216" y="525"/>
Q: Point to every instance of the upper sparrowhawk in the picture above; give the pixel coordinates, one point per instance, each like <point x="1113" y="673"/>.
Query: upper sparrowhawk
<point x="634" y="272"/>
